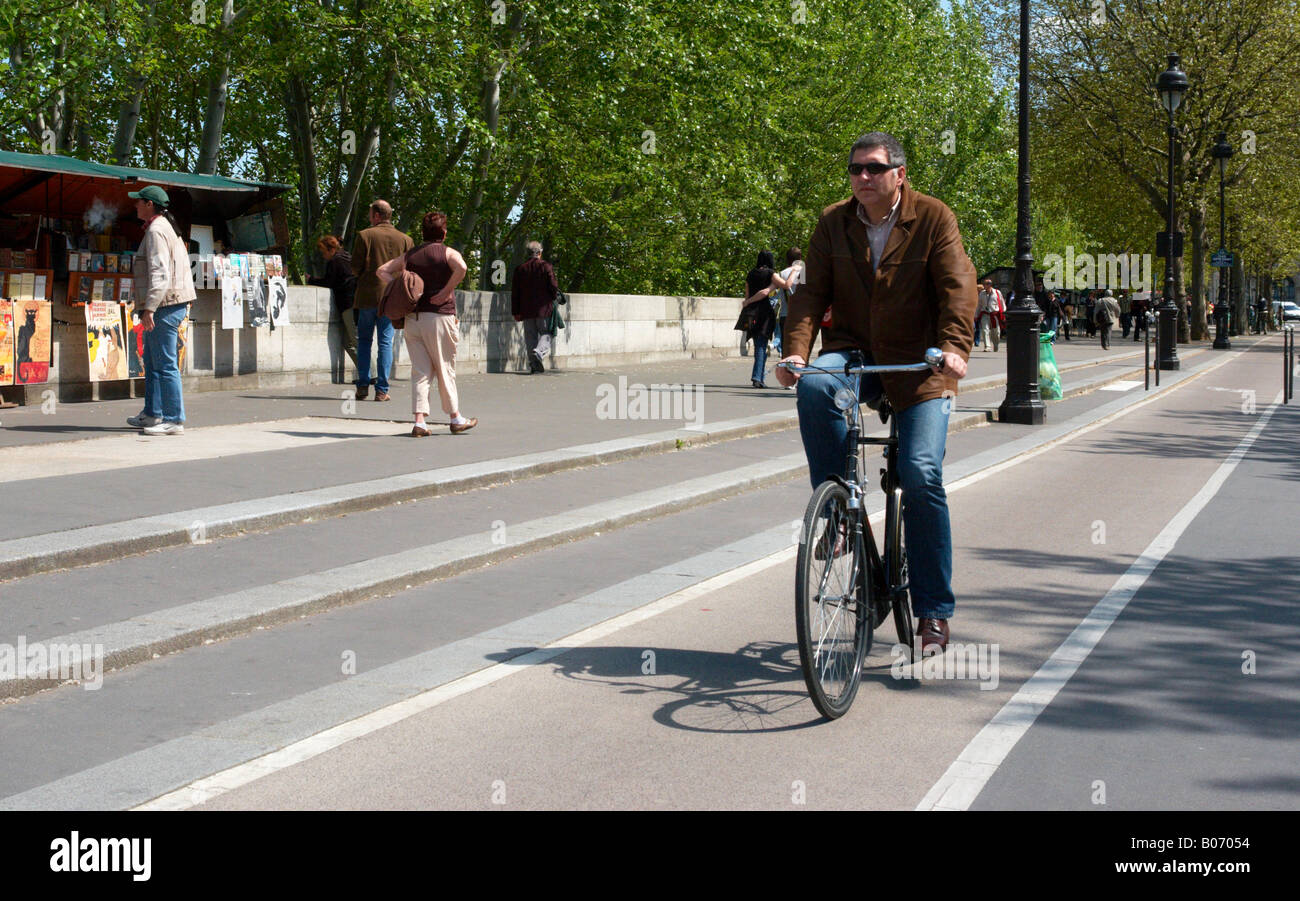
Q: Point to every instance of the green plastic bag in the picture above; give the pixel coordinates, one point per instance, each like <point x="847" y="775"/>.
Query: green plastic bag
<point x="1049" y="377"/>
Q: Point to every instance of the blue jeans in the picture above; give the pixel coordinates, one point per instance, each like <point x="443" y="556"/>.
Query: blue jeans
<point x="922" y="438"/>
<point x="1049" y="324"/>
<point x="162" y="375"/>
<point x="367" y="320"/>
<point x="760" y="358"/>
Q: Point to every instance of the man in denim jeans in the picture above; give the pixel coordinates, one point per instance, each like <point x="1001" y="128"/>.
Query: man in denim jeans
<point x="890" y="266"/>
<point x="374" y="247"/>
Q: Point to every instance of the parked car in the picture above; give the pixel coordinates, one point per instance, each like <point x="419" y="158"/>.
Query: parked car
<point x="1287" y="310"/>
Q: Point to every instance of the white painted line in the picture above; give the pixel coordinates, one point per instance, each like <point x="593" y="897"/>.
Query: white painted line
<point x="202" y="790"/>
<point x="1120" y="386"/>
<point x="1156" y="394"/>
<point x="206" y="789"/>
<point x="958" y="788"/>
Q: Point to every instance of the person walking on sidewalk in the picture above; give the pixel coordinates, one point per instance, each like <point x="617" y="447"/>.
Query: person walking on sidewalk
<point x="788" y="281"/>
<point x="762" y="319"/>
<point x="374" y="247"/>
<point x="1138" y="310"/>
<point x="890" y="265"/>
<point x="533" y="290"/>
<point x="433" y="329"/>
<point x="990" y="314"/>
<point x="343" y="288"/>
<point x="164" y="290"/>
<point x="1107" y="315"/>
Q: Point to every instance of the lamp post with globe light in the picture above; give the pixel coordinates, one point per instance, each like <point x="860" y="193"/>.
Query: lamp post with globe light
<point x="1171" y="85"/>
<point x="1222" y="152"/>
<point x="1023" y="404"/>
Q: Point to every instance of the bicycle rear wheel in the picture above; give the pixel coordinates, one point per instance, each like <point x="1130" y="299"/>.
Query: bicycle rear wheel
<point x="897" y="568"/>
<point x="832" y="602"/>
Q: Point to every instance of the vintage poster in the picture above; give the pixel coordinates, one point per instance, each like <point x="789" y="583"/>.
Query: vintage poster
<point x="278" y="300"/>
<point x="254" y="298"/>
<point x="134" y="341"/>
<point x="6" y="343"/>
<point x="31" y="341"/>
<point x="104" y="341"/>
<point x="232" y="302"/>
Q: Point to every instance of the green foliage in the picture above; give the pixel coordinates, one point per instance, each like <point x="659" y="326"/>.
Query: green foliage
<point x="652" y="145"/>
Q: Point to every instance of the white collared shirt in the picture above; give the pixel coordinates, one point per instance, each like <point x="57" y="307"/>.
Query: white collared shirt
<point x="878" y="235"/>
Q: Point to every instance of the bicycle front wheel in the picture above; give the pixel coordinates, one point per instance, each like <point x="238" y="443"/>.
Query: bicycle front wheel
<point x="832" y="603"/>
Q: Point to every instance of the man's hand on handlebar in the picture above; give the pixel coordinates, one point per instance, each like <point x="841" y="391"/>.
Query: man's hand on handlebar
<point x="784" y="377"/>
<point x="953" y="365"/>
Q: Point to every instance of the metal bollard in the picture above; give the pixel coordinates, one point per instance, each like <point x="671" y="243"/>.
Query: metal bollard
<point x="1153" y="321"/>
<point x="1288" y="363"/>
<point x="1146" y="362"/>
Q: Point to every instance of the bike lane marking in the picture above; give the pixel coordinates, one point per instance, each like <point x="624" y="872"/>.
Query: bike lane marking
<point x="961" y="784"/>
<point x="210" y="787"/>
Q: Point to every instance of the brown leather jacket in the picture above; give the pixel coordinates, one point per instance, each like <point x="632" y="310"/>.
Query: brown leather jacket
<point x="374" y="247"/>
<point x="923" y="295"/>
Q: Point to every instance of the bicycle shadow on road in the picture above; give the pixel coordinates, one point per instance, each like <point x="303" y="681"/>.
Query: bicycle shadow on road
<point x="757" y="689"/>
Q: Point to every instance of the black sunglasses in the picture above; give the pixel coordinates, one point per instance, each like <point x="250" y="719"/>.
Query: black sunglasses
<point x="871" y="168"/>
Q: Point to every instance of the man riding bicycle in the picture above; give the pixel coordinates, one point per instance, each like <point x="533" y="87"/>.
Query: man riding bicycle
<point x="890" y="266"/>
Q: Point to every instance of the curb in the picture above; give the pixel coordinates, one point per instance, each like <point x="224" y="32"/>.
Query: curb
<point x="164" y="631"/>
<point x="35" y="554"/>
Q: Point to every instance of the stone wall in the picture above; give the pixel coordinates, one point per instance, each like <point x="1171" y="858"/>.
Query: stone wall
<point x="601" y="330"/>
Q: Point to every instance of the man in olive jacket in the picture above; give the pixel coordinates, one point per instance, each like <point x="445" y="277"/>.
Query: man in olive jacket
<point x="890" y="265"/>
<point x="374" y="247"/>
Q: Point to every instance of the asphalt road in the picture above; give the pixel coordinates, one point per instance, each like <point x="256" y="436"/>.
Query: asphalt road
<point x="655" y="666"/>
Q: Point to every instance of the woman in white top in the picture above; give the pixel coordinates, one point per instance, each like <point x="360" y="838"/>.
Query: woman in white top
<point x="786" y="282"/>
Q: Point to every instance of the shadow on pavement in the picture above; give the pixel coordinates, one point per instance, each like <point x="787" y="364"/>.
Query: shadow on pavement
<point x="759" y="688"/>
<point x="64" y="429"/>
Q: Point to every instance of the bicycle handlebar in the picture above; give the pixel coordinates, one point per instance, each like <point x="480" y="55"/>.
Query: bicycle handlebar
<point x="933" y="360"/>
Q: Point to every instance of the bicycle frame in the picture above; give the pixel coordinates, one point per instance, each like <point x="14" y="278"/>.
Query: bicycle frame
<point x="887" y="581"/>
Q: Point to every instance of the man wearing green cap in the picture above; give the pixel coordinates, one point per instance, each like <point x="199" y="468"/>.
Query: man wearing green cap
<point x="164" y="290"/>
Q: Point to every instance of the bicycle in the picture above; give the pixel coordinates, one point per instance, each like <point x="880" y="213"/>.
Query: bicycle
<point x="845" y="586"/>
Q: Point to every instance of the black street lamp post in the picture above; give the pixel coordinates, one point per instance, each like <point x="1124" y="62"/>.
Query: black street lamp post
<point x="1171" y="86"/>
<point x="1023" y="404"/>
<point x="1222" y="152"/>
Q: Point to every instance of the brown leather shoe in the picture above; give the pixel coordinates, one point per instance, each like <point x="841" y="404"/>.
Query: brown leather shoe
<point x="381" y="395"/>
<point x="420" y="431"/>
<point x="363" y="392"/>
<point x="933" y="636"/>
<point x="464" y="426"/>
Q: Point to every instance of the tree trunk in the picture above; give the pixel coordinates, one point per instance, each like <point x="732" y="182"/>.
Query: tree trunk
<point x="128" y="116"/>
<point x="1197" y="227"/>
<point x="1237" y="286"/>
<point x="491" y="99"/>
<point x="491" y="104"/>
<point x="218" y="82"/>
<point x="298" y="117"/>
<point x="344" y="220"/>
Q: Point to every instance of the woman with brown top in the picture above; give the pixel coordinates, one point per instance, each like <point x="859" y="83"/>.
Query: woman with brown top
<point x="432" y="329"/>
